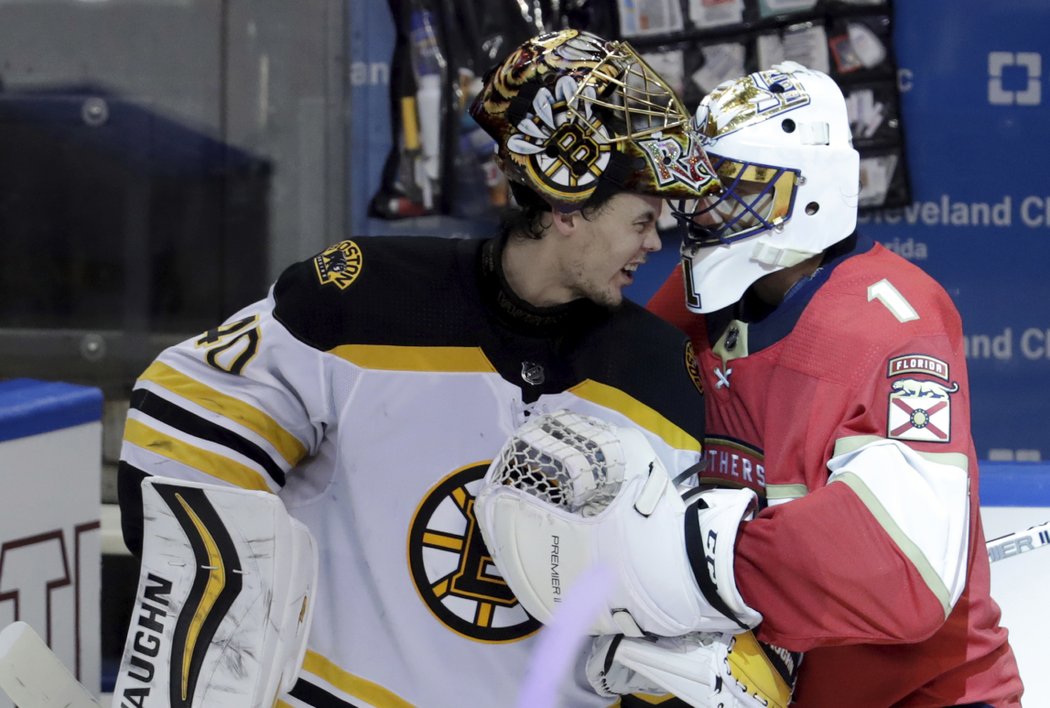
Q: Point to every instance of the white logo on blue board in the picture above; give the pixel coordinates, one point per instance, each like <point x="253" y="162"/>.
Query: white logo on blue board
<point x="1030" y="90"/>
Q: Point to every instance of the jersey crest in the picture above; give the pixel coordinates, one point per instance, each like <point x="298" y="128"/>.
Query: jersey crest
<point x="920" y="410"/>
<point x="692" y="365"/>
<point x="339" y="264"/>
<point x="452" y="569"/>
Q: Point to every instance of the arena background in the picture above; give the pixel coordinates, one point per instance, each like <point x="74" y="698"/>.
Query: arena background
<point x="182" y="152"/>
<point x="975" y="106"/>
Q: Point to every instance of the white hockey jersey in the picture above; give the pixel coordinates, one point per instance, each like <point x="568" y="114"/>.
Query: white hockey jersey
<point x="370" y="390"/>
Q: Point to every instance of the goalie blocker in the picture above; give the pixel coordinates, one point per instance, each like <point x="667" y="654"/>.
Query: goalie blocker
<point x="599" y="495"/>
<point x="224" y="600"/>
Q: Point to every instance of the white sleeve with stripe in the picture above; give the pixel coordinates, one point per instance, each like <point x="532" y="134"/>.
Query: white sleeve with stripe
<point x="242" y="404"/>
<point x="923" y="503"/>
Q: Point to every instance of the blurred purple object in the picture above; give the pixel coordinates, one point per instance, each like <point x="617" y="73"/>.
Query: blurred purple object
<point x="561" y="641"/>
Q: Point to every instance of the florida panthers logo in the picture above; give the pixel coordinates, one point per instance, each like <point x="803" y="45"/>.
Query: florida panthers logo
<point x="920" y="410"/>
<point x="453" y="570"/>
<point x="733" y="463"/>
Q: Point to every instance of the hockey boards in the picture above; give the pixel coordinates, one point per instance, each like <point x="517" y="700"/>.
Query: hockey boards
<point x="222" y="613"/>
<point x="33" y="677"/>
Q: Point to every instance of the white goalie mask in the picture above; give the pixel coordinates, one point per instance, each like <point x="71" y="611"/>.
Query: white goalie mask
<point x="780" y="143"/>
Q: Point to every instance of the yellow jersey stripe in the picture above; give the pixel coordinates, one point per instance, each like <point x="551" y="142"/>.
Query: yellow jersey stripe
<point x="402" y="358"/>
<point x="228" y="407"/>
<point x="352" y="685"/>
<point x="138" y="433"/>
<point x="643" y="415"/>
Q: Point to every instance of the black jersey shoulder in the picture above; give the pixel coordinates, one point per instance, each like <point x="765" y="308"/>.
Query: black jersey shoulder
<point x="649" y="359"/>
<point x="383" y="290"/>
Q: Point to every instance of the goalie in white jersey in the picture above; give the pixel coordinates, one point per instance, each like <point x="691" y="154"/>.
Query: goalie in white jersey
<point x="374" y="384"/>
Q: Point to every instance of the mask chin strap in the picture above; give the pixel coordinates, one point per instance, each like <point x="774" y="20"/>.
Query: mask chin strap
<point x="777" y="256"/>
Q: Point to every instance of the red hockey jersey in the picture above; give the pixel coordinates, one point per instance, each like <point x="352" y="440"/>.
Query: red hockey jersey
<point x="866" y="355"/>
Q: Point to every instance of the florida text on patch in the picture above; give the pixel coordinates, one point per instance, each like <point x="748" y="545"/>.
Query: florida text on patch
<point x="920" y="410"/>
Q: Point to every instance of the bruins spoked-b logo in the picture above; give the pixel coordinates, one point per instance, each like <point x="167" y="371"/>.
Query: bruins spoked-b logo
<point x="452" y="569"/>
<point x="557" y="152"/>
<point x="339" y="264"/>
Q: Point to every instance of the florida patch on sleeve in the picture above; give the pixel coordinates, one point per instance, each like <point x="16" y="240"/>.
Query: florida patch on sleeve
<point x="920" y="410"/>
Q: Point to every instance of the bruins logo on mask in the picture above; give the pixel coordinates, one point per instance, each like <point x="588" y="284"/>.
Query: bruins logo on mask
<point x="339" y="264"/>
<point x="452" y="569"/>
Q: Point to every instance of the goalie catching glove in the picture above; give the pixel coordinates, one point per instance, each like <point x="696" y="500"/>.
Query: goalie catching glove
<point x="568" y="492"/>
<point x="703" y="670"/>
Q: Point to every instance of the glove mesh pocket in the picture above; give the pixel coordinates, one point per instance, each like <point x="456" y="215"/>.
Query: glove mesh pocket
<point x="564" y="459"/>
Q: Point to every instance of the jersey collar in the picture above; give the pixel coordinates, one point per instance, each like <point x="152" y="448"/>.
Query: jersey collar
<point x="764" y="326"/>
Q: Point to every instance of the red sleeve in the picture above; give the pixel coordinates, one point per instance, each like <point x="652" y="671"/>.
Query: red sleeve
<point x="824" y="573"/>
<point x="822" y="569"/>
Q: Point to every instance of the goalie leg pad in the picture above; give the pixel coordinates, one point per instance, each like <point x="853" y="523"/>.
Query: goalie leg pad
<point x="224" y="601"/>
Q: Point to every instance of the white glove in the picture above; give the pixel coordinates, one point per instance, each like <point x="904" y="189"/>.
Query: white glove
<point x="568" y="492"/>
<point x="703" y="670"/>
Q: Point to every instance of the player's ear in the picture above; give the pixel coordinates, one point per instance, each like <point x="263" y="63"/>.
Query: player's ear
<point x="565" y="222"/>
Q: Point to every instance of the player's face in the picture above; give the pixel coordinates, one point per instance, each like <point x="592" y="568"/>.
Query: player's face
<point x="611" y="245"/>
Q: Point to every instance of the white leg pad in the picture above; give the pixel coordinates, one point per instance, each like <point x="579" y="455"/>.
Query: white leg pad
<point x="224" y="600"/>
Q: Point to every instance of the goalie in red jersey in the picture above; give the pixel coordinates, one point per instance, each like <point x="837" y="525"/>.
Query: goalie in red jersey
<point x="836" y="388"/>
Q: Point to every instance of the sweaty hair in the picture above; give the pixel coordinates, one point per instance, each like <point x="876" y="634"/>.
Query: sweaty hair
<point x="527" y="218"/>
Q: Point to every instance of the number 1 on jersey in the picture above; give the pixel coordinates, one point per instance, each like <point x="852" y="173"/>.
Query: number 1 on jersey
<point x="899" y="307"/>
